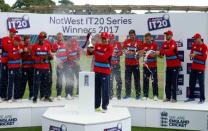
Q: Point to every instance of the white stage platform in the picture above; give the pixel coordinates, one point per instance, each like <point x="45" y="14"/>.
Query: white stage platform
<point x="180" y="115"/>
<point x="25" y="113"/>
<point x="69" y="118"/>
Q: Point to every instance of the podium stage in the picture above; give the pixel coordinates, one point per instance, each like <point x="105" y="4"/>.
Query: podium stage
<point x="69" y="118"/>
<point x="180" y="115"/>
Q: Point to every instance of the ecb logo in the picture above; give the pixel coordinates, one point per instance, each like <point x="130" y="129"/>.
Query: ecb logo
<point x="158" y="22"/>
<point x="164" y="119"/>
<point x="86" y="80"/>
<point x="18" y="22"/>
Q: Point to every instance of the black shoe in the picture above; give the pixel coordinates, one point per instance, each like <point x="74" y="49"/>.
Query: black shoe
<point x="48" y="99"/>
<point x="201" y="102"/>
<point x="126" y="97"/>
<point x="166" y="100"/>
<point x="34" y="100"/>
<point x="189" y="100"/>
<point x="173" y="101"/>
<point x="138" y="97"/>
<point x="119" y="97"/>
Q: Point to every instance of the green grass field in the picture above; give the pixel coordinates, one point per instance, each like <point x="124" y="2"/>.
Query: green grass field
<point x="85" y="64"/>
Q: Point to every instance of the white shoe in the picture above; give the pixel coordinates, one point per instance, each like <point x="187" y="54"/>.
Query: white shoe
<point x="59" y="98"/>
<point x="14" y="100"/>
<point x="69" y="97"/>
<point x="42" y="99"/>
<point x="19" y="100"/>
<point x="155" y="98"/>
<point x="10" y="101"/>
<point x="144" y="98"/>
<point x="114" y="98"/>
<point x="104" y="111"/>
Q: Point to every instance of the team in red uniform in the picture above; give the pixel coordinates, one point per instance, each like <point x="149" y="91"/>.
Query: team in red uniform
<point x="14" y="68"/>
<point x="198" y="55"/>
<point x="115" y="67"/>
<point x="22" y="59"/>
<point x="132" y="46"/>
<point x="170" y="51"/>
<point x="102" y="54"/>
<point x="41" y="54"/>
<point x="150" y="66"/>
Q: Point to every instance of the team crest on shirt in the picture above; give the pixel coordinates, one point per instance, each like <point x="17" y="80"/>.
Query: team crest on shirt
<point x="45" y="48"/>
<point x="200" y="49"/>
<point x="13" y="48"/>
<point x="173" y="46"/>
<point x="194" y="47"/>
<point x="38" y="48"/>
<point x="165" y="46"/>
<point x="99" y="48"/>
<point x="105" y="49"/>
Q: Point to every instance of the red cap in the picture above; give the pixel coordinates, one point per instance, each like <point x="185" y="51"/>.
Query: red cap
<point x="17" y="38"/>
<point x="196" y="36"/>
<point x="104" y="35"/>
<point x="169" y="32"/>
<point x="41" y="36"/>
<point x="13" y="30"/>
<point x="111" y="36"/>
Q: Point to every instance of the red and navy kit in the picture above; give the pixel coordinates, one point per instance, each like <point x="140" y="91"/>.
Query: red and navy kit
<point x="151" y="60"/>
<point x="117" y="52"/>
<point x="198" y="70"/>
<point x="74" y="53"/>
<point x="170" y="50"/>
<point x="40" y="54"/>
<point x="48" y="43"/>
<point x="14" y="67"/>
<point x="199" y="61"/>
<point x="116" y="69"/>
<point x="61" y="54"/>
<point x="27" y="70"/>
<point x="3" y="66"/>
<point x="5" y="42"/>
<point x="102" y="68"/>
<point x="27" y="61"/>
<point x="103" y="54"/>
<point x="150" y="70"/>
<point x="14" y="56"/>
<point x="128" y="45"/>
<point x="132" y="66"/>
<point x="61" y="51"/>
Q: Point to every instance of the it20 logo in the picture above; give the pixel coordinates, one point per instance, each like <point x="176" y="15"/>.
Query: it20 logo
<point x="158" y="22"/>
<point x="18" y="22"/>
